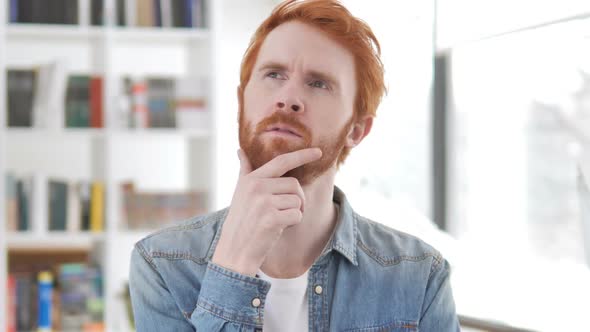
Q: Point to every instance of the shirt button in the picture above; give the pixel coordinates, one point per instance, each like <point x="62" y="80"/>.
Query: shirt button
<point x="256" y="302"/>
<point x="319" y="290"/>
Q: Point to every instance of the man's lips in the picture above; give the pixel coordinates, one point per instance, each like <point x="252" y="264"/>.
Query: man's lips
<point x="283" y="129"/>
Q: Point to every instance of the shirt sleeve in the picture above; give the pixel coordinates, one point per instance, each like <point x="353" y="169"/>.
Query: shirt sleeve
<point x="230" y="298"/>
<point x="228" y="301"/>
<point x="438" y="312"/>
<point x="154" y="308"/>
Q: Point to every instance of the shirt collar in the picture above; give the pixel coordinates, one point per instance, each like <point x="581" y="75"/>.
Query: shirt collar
<point x="343" y="238"/>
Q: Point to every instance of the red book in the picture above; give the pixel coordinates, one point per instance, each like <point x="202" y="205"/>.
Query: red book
<point x="11" y="304"/>
<point x="96" y="110"/>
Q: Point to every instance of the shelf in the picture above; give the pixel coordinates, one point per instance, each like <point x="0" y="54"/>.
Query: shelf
<point x="52" y="240"/>
<point x="16" y="132"/>
<point x="53" y="31"/>
<point x="43" y="132"/>
<point x="151" y="132"/>
<point x="152" y="34"/>
<point x="125" y="34"/>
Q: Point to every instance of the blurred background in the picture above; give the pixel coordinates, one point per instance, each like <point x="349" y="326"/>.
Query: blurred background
<point x="118" y="117"/>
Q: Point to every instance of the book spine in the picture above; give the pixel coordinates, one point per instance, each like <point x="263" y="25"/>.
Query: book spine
<point x="45" y="289"/>
<point x="96" y="101"/>
<point x="97" y="207"/>
<point x="11" y="304"/>
<point x="13" y="11"/>
<point x="73" y="222"/>
<point x="140" y="109"/>
<point x="188" y="13"/>
<point x="57" y="205"/>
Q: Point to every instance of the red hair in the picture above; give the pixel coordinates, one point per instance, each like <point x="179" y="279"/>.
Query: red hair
<point x="332" y="18"/>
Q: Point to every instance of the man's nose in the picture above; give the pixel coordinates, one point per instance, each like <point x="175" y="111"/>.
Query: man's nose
<point x="294" y="107"/>
<point x="290" y="100"/>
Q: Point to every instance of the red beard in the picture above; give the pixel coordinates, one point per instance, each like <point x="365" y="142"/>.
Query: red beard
<point x="260" y="151"/>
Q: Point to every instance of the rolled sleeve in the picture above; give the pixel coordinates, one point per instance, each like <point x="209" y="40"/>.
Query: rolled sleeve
<point x="232" y="297"/>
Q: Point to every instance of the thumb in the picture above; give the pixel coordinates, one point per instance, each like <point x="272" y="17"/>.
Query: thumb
<point x="245" y="166"/>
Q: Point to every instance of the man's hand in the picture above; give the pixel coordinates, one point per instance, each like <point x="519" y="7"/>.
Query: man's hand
<point x="263" y="205"/>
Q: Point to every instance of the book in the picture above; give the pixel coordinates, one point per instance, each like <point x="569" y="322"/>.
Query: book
<point x="97" y="207"/>
<point x="150" y="210"/>
<point x="50" y="95"/>
<point x="131" y="12"/>
<point x="25" y="293"/>
<point x="58" y="205"/>
<point x="11" y="202"/>
<point x="13" y="11"/>
<point x="160" y="93"/>
<point x="77" y="103"/>
<point x="121" y="13"/>
<point x="11" y="304"/>
<point x="191" y="103"/>
<point x="139" y="105"/>
<point x="96" y="102"/>
<point x="45" y="299"/>
<point x="24" y="194"/>
<point x="74" y="207"/>
<point x="166" y="13"/>
<point x="96" y="12"/>
<point x="85" y="197"/>
<point x="20" y="85"/>
<point x="45" y="12"/>
<point x="145" y="13"/>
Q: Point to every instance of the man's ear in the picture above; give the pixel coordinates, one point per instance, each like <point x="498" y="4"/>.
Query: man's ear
<point x="359" y="130"/>
<point x="240" y="101"/>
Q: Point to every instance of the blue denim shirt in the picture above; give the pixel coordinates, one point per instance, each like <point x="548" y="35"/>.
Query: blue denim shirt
<point x="372" y="278"/>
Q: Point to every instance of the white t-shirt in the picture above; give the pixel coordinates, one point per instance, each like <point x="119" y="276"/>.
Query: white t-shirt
<point x="286" y="307"/>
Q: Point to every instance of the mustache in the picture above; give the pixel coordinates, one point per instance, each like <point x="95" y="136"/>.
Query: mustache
<point x="280" y="117"/>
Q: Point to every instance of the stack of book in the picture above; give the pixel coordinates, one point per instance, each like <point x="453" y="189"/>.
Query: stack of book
<point x="72" y="206"/>
<point x="155" y="13"/>
<point x="76" y="304"/>
<point x="46" y="97"/>
<point x="151" y="210"/>
<point x="164" y="102"/>
<point x="43" y="11"/>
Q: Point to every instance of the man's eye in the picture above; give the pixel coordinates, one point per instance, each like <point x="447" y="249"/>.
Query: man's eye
<point x="319" y="84"/>
<point x="273" y="74"/>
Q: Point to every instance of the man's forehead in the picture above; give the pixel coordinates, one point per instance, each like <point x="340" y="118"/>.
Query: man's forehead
<point x="296" y="41"/>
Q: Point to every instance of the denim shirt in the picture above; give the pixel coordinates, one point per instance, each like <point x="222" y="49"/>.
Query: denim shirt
<point x="368" y="278"/>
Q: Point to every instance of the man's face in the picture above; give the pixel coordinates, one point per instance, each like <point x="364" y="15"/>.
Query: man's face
<point x="300" y="94"/>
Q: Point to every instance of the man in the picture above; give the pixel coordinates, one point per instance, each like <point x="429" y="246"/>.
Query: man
<point x="290" y="254"/>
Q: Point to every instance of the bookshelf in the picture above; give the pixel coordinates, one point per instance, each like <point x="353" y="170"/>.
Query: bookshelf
<point x="155" y="159"/>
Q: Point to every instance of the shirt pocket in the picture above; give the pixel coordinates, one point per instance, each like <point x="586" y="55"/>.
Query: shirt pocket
<point x="395" y="326"/>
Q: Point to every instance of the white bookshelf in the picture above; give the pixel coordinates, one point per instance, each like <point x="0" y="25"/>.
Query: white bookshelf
<point x="155" y="159"/>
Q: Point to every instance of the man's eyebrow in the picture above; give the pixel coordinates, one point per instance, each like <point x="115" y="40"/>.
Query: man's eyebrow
<point x="272" y="65"/>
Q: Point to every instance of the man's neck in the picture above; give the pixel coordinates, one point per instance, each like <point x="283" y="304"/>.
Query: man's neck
<point x="300" y="245"/>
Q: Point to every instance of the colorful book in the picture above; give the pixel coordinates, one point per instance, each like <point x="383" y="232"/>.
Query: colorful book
<point x="77" y="102"/>
<point x="45" y="290"/>
<point x="97" y="207"/>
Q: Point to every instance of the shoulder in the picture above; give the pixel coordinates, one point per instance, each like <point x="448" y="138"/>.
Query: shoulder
<point x="188" y="239"/>
<point x="389" y="247"/>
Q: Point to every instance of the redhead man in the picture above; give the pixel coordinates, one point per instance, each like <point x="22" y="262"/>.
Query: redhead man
<point x="290" y="253"/>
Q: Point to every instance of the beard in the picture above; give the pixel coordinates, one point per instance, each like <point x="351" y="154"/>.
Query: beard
<point x="260" y="151"/>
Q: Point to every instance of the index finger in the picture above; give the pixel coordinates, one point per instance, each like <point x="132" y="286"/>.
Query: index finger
<point x="281" y="164"/>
